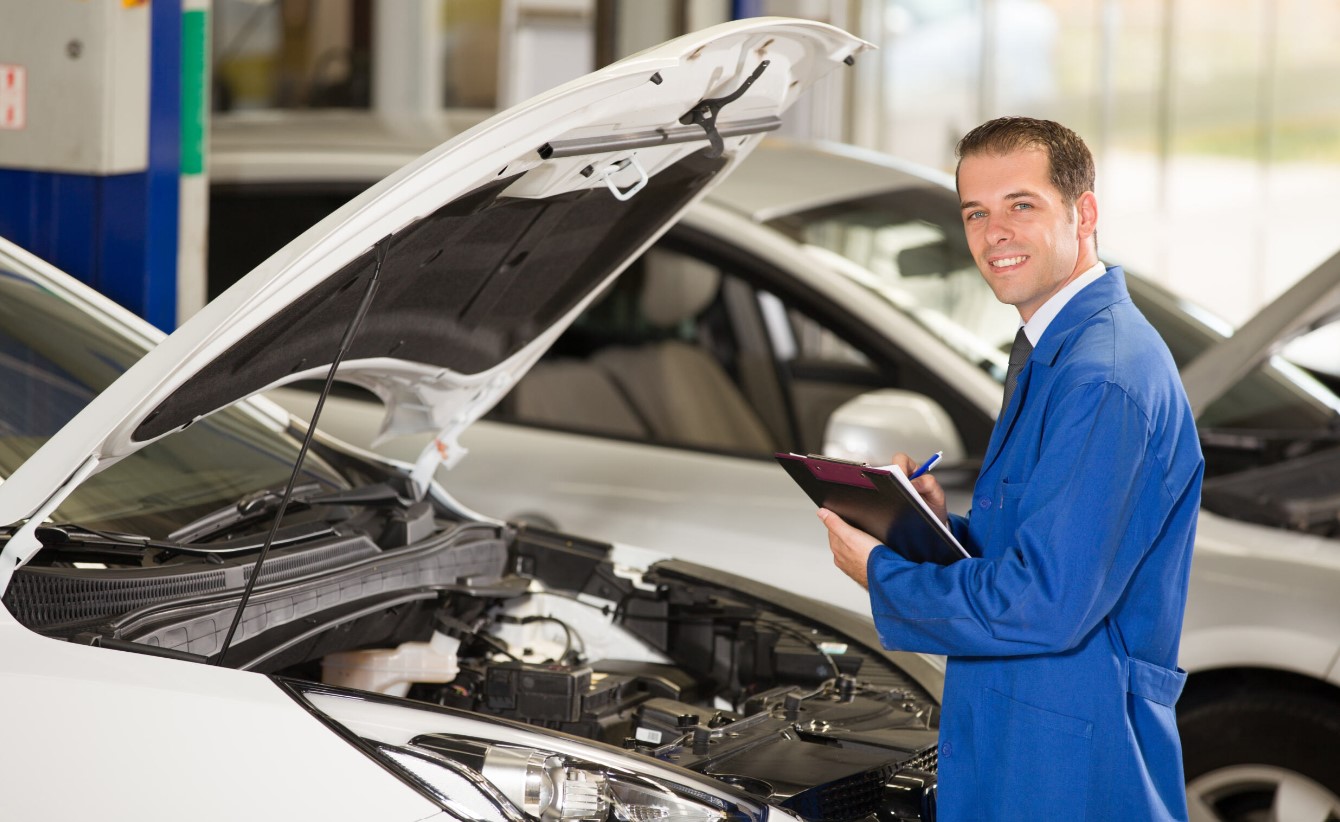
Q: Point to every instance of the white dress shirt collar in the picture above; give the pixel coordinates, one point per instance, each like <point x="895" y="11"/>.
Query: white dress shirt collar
<point x="1047" y="311"/>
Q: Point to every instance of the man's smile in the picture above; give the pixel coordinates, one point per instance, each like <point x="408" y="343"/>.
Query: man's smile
<point x="1007" y="263"/>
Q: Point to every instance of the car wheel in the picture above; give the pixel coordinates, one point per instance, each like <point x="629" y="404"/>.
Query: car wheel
<point x="1263" y="758"/>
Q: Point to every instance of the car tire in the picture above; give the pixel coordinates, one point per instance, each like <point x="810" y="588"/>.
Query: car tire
<point x="1265" y="756"/>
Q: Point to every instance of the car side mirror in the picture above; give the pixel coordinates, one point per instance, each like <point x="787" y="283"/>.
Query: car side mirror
<point x="872" y="427"/>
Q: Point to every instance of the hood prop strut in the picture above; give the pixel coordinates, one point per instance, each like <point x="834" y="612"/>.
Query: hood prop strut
<point x="705" y="112"/>
<point x="345" y="344"/>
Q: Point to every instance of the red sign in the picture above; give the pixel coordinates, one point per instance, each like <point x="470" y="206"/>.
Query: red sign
<point x="13" y="96"/>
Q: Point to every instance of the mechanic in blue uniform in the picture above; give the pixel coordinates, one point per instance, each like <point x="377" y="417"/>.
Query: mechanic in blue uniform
<point x="1062" y="631"/>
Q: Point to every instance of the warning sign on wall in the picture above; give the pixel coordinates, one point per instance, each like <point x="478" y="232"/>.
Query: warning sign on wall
<point x="13" y="96"/>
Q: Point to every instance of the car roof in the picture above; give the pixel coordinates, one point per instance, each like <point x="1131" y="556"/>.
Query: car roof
<point x="765" y="188"/>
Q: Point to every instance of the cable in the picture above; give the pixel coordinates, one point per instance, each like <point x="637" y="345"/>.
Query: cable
<point x="497" y="645"/>
<point x="345" y="344"/>
<point x="567" y="630"/>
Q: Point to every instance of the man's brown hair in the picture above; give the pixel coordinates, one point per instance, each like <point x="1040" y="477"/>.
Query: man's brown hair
<point x="1072" y="170"/>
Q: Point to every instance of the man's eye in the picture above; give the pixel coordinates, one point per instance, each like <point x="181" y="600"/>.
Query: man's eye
<point x="1023" y="205"/>
<point x="975" y="215"/>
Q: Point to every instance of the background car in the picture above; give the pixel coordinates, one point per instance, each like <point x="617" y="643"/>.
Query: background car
<point x="146" y="519"/>
<point x="848" y="317"/>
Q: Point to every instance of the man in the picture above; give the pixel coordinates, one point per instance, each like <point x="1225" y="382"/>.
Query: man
<point x="1062" y="631"/>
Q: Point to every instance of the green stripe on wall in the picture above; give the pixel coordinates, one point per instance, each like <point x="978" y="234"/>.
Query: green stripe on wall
<point x="194" y="53"/>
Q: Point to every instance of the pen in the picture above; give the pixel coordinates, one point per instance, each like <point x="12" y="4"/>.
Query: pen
<point x="927" y="465"/>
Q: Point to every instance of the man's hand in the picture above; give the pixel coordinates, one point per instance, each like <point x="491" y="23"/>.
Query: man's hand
<point x="851" y="547"/>
<point x="926" y="485"/>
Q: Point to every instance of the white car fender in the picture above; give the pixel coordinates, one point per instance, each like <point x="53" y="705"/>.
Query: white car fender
<point x="256" y="753"/>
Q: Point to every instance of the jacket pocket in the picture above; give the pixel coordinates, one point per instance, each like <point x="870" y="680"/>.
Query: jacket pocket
<point x="1040" y="718"/>
<point x="1154" y="682"/>
<point x="1152" y="691"/>
<point x="1006" y="519"/>
<point x="1034" y="762"/>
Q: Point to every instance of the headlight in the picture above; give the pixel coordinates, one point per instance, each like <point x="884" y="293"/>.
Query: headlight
<point x="546" y="786"/>
<point x="460" y="791"/>
<point x="496" y="771"/>
<point x="650" y="803"/>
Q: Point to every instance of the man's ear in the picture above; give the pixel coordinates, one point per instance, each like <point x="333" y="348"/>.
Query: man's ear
<point x="1086" y="207"/>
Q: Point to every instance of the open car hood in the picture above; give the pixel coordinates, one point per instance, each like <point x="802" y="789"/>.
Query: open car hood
<point x="1310" y="303"/>
<point x="483" y="250"/>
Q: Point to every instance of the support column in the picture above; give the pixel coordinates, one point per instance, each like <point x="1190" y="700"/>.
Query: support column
<point x="91" y="174"/>
<point x="193" y="209"/>
<point x="407" y="58"/>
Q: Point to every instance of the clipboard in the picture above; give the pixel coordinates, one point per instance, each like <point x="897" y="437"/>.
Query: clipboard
<point x="879" y="501"/>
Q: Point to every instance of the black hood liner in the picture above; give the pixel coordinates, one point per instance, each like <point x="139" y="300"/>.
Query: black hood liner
<point x="464" y="288"/>
<point x="1301" y="494"/>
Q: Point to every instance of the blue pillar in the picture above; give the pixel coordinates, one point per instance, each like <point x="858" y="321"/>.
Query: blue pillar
<point x="116" y="232"/>
<point x="740" y="9"/>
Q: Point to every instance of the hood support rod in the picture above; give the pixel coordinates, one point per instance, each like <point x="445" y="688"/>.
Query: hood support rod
<point x="345" y="344"/>
<point x="705" y="113"/>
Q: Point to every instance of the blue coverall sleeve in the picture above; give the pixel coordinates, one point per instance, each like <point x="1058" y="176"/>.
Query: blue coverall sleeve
<point x="1062" y="542"/>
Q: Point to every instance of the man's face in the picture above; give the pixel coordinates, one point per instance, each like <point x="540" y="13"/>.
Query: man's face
<point x="1027" y="242"/>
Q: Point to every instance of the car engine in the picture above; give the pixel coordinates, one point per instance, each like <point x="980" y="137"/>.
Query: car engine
<point x="781" y="697"/>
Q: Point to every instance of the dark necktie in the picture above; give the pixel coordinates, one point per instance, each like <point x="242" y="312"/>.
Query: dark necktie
<point x="1018" y="356"/>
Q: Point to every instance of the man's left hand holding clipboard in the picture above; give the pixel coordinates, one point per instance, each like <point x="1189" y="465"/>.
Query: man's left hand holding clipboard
<point x="851" y="546"/>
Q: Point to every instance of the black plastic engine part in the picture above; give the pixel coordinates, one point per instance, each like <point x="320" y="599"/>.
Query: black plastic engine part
<point x="549" y="693"/>
<point x="836" y="754"/>
<point x="659" y="721"/>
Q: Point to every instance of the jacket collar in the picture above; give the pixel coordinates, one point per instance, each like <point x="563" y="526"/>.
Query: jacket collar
<point x="1103" y="292"/>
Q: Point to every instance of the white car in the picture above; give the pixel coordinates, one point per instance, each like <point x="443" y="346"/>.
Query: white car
<point x="822" y="300"/>
<point x="553" y="677"/>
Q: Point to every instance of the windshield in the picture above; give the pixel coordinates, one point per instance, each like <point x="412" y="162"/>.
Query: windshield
<point x="55" y="357"/>
<point x="908" y="246"/>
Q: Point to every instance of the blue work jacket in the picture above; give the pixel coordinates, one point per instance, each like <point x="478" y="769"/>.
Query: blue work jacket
<point x="1062" y="637"/>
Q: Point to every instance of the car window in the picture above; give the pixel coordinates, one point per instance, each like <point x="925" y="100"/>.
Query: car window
<point x="908" y="248"/>
<point x="820" y="369"/>
<point x="689" y="351"/>
<point x="1319" y="352"/>
<point x="798" y="338"/>
<point x="659" y="357"/>
<point x="55" y="358"/>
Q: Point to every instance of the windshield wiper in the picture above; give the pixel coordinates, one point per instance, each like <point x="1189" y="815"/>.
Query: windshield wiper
<point x="262" y="503"/>
<point x="72" y="538"/>
<point x="68" y="532"/>
<point x="252" y="506"/>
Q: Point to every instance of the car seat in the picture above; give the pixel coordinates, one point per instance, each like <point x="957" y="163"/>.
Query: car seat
<point x="677" y="388"/>
<point x="571" y="393"/>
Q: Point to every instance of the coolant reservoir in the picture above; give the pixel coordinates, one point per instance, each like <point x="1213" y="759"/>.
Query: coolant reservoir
<point x="392" y="670"/>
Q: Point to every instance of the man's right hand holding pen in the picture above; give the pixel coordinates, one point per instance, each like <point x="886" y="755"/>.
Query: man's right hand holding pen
<point x="926" y="485"/>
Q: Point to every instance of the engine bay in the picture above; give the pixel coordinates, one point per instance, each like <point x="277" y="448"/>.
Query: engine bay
<point x="784" y="698"/>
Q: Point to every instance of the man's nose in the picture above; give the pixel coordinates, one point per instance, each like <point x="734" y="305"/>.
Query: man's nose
<point x="997" y="231"/>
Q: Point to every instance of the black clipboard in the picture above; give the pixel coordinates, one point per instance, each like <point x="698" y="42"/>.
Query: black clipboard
<point x="873" y="500"/>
